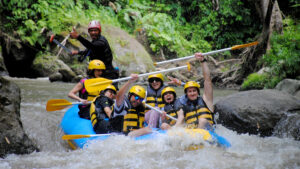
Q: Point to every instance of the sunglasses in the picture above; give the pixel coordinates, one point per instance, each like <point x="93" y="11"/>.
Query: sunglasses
<point x="138" y="98"/>
<point x="154" y="79"/>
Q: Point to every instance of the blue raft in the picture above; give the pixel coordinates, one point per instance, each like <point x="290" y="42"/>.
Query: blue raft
<point x="72" y="124"/>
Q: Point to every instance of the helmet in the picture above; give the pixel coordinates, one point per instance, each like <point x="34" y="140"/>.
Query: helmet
<point x="96" y="64"/>
<point x="94" y="24"/>
<point x="192" y="84"/>
<point x="138" y="90"/>
<point x="167" y="89"/>
<point x="159" y="76"/>
<point x="111" y="87"/>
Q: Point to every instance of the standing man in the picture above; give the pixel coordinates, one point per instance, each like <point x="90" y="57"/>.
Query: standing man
<point x="98" y="48"/>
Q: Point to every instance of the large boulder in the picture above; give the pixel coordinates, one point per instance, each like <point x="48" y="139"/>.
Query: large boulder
<point x="289" y="126"/>
<point x="47" y="65"/>
<point x="290" y="86"/>
<point x="256" y="111"/>
<point x="12" y="136"/>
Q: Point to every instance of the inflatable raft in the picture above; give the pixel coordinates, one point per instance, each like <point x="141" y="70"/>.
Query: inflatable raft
<point x="72" y="124"/>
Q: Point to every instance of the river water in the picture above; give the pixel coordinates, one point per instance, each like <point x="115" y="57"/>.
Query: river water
<point x="247" y="151"/>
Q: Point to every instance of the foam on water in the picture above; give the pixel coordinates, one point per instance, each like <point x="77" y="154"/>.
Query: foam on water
<point x="168" y="152"/>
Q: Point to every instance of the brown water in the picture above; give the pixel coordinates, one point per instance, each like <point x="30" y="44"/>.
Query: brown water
<point x="247" y="151"/>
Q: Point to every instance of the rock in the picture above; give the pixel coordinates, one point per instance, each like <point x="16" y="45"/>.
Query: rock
<point x="67" y="75"/>
<point x="255" y="111"/>
<point x="3" y="71"/>
<point x="56" y="69"/>
<point x="13" y="139"/>
<point x="290" y="86"/>
<point x="55" y="77"/>
<point x="289" y="126"/>
<point x="129" y="55"/>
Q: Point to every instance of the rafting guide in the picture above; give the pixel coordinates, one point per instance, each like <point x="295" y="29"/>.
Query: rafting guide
<point x="98" y="48"/>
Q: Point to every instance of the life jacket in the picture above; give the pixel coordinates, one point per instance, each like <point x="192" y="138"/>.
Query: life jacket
<point x="195" y="110"/>
<point x="84" y="109"/>
<point x="97" y="112"/>
<point x="134" y="118"/>
<point x="87" y="95"/>
<point x="154" y="97"/>
<point x="171" y="109"/>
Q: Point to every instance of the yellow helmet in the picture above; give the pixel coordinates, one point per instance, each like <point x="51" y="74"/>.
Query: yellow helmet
<point x="167" y="89"/>
<point x="159" y="76"/>
<point x="111" y="87"/>
<point x="96" y="64"/>
<point x="138" y="90"/>
<point x="192" y="84"/>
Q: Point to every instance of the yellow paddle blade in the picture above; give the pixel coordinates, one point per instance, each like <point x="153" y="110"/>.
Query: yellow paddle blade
<point x="74" y="136"/>
<point x="57" y="104"/>
<point x="96" y="84"/>
<point x="244" y="45"/>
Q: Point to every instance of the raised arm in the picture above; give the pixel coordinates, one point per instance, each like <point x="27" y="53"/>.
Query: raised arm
<point x="121" y="94"/>
<point x="208" y="88"/>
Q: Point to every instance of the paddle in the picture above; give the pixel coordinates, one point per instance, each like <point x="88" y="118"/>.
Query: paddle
<point x="156" y="109"/>
<point x="79" y="136"/>
<point x="59" y="44"/>
<point x="210" y="53"/>
<point x="97" y="84"/>
<point x="59" y="104"/>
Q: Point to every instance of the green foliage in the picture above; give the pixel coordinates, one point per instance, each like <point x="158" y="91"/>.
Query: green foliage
<point x="283" y="58"/>
<point x="29" y="17"/>
<point x="255" y="81"/>
<point x="179" y="27"/>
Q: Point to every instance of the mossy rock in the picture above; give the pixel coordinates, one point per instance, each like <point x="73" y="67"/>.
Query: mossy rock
<point x="46" y="65"/>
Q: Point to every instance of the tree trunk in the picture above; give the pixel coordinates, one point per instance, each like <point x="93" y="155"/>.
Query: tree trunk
<point x="271" y="20"/>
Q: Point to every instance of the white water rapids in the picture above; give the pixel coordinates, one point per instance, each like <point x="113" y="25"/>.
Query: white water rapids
<point x="247" y="151"/>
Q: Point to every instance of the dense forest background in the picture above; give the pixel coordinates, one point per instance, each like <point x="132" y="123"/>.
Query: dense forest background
<point x="172" y="29"/>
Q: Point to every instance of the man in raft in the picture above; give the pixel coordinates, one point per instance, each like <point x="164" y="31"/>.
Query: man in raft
<point x="197" y="111"/>
<point x="132" y="108"/>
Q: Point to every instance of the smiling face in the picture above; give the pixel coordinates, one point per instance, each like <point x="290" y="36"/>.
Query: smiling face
<point x="192" y="93"/>
<point x="169" y="97"/>
<point x="94" y="33"/>
<point x="98" y="72"/>
<point x="135" y="100"/>
<point x="155" y="83"/>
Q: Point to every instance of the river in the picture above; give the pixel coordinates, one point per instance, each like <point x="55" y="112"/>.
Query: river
<point x="247" y="151"/>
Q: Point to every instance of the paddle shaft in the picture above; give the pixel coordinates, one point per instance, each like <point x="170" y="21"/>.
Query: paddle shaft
<point x="209" y="53"/>
<point x="192" y="56"/>
<point x="79" y="136"/>
<point x="65" y="48"/>
<point x="156" y="109"/>
<point x="151" y="73"/>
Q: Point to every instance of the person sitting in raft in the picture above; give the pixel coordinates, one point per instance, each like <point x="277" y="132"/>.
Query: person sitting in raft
<point x="132" y="108"/>
<point x="153" y="98"/>
<point x="101" y="110"/>
<point x="95" y="70"/>
<point x="172" y="104"/>
<point x="196" y="110"/>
